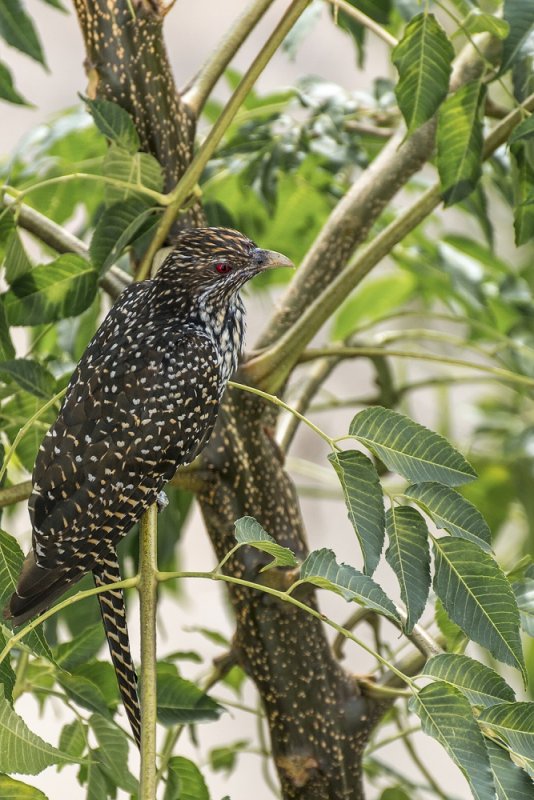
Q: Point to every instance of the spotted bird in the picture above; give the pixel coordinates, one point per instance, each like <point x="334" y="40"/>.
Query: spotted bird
<point x="142" y="401"/>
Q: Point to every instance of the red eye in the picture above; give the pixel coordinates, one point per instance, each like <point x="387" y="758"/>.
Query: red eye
<point x="222" y="268"/>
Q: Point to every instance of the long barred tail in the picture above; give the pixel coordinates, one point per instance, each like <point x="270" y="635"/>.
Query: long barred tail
<point x="114" y="618"/>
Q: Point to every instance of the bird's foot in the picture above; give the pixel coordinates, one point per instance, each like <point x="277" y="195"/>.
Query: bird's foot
<point x="162" y="501"/>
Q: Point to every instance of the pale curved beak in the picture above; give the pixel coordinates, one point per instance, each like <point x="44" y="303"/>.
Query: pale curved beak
<point x="270" y="259"/>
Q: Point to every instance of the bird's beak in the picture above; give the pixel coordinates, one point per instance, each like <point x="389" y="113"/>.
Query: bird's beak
<point x="270" y="259"/>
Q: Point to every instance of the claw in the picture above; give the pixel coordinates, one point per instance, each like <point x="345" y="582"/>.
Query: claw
<point x="162" y="501"/>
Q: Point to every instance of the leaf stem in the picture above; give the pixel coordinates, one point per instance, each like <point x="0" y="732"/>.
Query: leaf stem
<point x="280" y="403"/>
<point x="190" y="178"/>
<point x="147" y="588"/>
<point x="287" y="598"/>
<point x="19" y="194"/>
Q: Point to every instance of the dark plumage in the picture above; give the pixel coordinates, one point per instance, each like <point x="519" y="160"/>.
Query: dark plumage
<point x="142" y="401"/>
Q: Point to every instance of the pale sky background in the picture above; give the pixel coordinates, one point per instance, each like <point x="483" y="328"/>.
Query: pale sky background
<point x="192" y="29"/>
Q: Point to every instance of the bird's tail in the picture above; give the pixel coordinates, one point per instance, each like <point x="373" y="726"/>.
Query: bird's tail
<point x="113" y="610"/>
<point x="37" y="588"/>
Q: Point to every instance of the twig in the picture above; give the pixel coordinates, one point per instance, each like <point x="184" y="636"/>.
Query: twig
<point x="288" y="426"/>
<point x="148" y="604"/>
<point x="364" y="20"/>
<point x="360" y="615"/>
<point x="10" y="495"/>
<point x="369" y="130"/>
<point x="187" y="183"/>
<point x="196" y="94"/>
<point x="359" y="352"/>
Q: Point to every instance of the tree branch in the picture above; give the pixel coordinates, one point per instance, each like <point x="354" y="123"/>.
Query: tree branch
<point x="198" y="91"/>
<point x="10" y="495"/>
<point x="271" y="368"/>
<point x="364" y="20"/>
<point x="60" y="240"/>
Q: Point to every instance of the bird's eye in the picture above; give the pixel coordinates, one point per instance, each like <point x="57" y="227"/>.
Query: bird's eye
<point x="223" y="267"/>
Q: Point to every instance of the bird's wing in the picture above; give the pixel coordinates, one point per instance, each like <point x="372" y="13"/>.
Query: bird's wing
<point x="125" y="426"/>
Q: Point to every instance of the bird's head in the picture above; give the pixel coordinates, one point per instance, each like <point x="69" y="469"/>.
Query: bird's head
<point x="216" y="261"/>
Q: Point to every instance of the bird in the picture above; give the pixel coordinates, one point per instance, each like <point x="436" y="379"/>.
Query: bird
<point x="142" y="401"/>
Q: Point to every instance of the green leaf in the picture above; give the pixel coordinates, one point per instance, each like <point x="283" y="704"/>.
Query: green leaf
<point x="15" y="790"/>
<point x="478" y="597"/>
<point x="510" y="781"/>
<point x="7" y="675"/>
<point x="224" y="758"/>
<point x="423" y="59"/>
<point x="17" y="262"/>
<point x="7" y="88"/>
<point x="7" y="350"/>
<point x="249" y="531"/>
<point x="481" y="685"/>
<point x="102" y="674"/>
<point x="522" y="182"/>
<point x="84" y="692"/>
<point x="455" y="638"/>
<point x="29" y="375"/>
<point x="479" y="22"/>
<point x="21" y="750"/>
<point x="115" y="123"/>
<point x="321" y="569"/>
<point x="524" y="595"/>
<point x="96" y="780"/>
<point x="451" y="511"/>
<point x="519" y="14"/>
<point x="11" y="560"/>
<point x="372" y="301"/>
<point x="140" y="169"/>
<point x="408" y="555"/>
<point x="460" y="141"/>
<point x="524" y="131"/>
<point x="81" y="648"/>
<point x="364" y="501"/>
<point x="116" y="229"/>
<point x="63" y="288"/>
<point x="184" y="781"/>
<point x="17" y="30"/>
<point x="513" y="723"/>
<point x="446" y="715"/>
<point x="180" y="702"/>
<point x="73" y="738"/>
<point x="113" y="751"/>
<point x="409" y="448"/>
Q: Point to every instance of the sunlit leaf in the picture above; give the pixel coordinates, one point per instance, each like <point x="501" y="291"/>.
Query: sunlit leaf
<point x="139" y="169"/>
<point x="373" y="300"/>
<point x="479" y="22"/>
<point x="478" y="597"/>
<point x="408" y="555"/>
<point x="409" y="448"/>
<point x="114" y="122"/>
<point x="116" y="229"/>
<point x="249" y="531"/>
<point x="364" y="501"/>
<point x="322" y="569"/>
<point x="63" y="288"/>
<point x="17" y="262"/>
<point x="446" y="715"/>
<point x="11" y="789"/>
<point x="73" y="739"/>
<point x="423" y="58"/>
<point x="510" y="781"/>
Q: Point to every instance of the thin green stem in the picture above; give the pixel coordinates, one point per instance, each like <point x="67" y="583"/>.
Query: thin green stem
<point x="190" y="178"/>
<point x="147" y="588"/>
<point x="129" y="583"/>
<point x="287" y="598"/>
<point x="280" y="403"/>
<point x="364" y="20"/>
<point x="393" y="738"/>
<point x="22" y="432"/>
<point x="364" y="352"/>
<point x="20" y="194"/>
